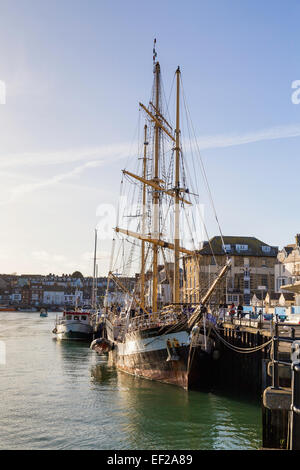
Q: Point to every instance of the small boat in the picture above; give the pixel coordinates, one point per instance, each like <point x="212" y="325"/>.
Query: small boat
<point x="101" y="345"/>
<point x="5" y="308"/>
<point x="74" y="325"/>
<point x="43" y="313"/>
<point x="27" y="309"/>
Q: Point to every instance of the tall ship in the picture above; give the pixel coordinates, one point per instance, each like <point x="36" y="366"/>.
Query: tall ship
<point x="156" y="334"/>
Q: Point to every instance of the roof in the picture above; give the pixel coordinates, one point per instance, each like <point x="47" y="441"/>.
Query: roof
<point x="254" y="247"/>
<point x="274" y="295"/>
<point x="288" y="295"/>
<point x="289" y="248"/>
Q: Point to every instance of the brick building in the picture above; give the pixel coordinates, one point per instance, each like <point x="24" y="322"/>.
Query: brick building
<point x="252" y="266"/>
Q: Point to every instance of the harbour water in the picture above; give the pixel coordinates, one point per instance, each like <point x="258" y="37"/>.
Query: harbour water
<point x="61" y="395"/>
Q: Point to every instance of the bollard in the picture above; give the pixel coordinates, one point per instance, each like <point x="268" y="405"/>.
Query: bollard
<point x="293" y="333"/>
<point x="294" y="434"/>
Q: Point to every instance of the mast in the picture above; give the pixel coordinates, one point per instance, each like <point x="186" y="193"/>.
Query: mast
<point x="176" y="290"/>
<point x="144" y="221"/>
<point x="155" y="200"/>
<point x="94" y="285"/>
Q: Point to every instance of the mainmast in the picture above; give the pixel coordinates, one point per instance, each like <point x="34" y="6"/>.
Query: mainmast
<point x="176" y="290"/>
<point x="155" y="200"/>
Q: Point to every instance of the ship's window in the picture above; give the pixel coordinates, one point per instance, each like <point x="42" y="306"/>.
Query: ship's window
<point x="83" y="317"/>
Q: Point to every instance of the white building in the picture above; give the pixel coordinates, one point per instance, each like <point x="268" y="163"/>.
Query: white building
<point x="287" y="270"/>
<point x="54" y="296"/>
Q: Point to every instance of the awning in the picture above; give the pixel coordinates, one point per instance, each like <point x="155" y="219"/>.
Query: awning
<point x="295" y="288"/>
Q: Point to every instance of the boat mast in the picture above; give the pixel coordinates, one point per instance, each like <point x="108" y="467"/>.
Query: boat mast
<point x="144" y="220"/>
<point x="155" y="200"/>
<point x="176" y="290"/>
<point x="94" y="285"/>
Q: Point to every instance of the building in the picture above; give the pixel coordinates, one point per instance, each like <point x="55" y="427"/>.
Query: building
<point x="287" y="268"/>
<point x="54" y="295"/>
<point x="252" y="267"/>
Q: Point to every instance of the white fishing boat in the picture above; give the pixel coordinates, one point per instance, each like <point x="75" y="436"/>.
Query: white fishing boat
<point x="74" y="325"/>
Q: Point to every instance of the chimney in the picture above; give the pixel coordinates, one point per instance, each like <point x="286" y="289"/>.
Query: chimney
<point x="297" y="239"/>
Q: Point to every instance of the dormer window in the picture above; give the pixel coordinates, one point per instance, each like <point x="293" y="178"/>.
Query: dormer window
<point x="241" y="247"/>
<point x="227" y="248"/>
<point x="266" y="249"/>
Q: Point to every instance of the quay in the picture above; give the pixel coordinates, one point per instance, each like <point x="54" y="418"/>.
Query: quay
<point x="261" y="359"/>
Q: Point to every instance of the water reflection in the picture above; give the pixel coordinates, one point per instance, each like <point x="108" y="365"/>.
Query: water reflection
<point x="102" y="374"/>
<point x="158" y="413"/>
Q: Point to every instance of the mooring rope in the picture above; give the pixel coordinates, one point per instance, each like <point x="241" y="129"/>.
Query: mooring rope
<point x="242" y="350"/>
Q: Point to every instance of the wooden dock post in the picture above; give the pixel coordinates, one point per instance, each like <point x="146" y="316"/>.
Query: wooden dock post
<point x="294" y="430"/>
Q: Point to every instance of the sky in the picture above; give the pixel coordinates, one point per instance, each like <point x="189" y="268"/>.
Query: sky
<point x="73" y="73"/>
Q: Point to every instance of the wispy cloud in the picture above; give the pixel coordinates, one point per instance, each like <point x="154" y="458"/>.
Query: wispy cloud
<point x="101" y="155"/>
<point x="272" y="133"/>
<point x="25" y="188"/>
<point x="106" y="152"/>
<point x="30" y="159"/>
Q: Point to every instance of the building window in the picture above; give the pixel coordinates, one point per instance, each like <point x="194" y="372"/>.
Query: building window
<point x="266" y="249"/>
<point x="241" y="247"/>
<point x="227" y="248"/>
<point x="246" y="284"/>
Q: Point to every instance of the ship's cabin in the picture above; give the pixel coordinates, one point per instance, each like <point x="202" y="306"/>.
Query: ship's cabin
<point x="77" y="316"/>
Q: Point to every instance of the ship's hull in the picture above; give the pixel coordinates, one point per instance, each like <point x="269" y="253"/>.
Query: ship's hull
<point x="163" y="357"/>
<point x="74" y="331"/>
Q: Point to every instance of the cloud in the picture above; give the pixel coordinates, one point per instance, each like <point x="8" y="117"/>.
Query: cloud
<point x="30" y="159"/>
<point x="98" y="156"/>
<point x="223" y="140"/>
<point x="106" y="152"/>
<point x="25" y="188"/>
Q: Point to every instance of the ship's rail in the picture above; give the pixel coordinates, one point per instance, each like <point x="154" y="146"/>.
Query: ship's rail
<point x="142" y="322"/>
<point x="168" y="317"/>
